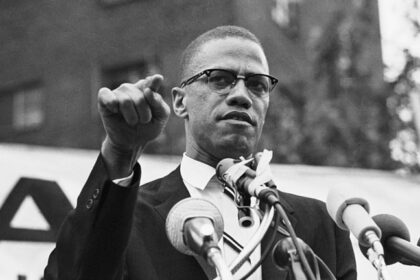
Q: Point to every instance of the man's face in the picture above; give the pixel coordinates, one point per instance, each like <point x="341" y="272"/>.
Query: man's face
<point x="225" y="125"/>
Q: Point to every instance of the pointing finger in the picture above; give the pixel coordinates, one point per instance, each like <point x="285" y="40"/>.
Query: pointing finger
<point x="130" y="93"/>
<point x="160" y="110"/>
<point x="107" y="100"/>
<point x="153" y="82"/>
<point x="156" y="82"/>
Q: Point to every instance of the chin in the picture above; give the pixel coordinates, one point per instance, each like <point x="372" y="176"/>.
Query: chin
<point x="236" y="149"/>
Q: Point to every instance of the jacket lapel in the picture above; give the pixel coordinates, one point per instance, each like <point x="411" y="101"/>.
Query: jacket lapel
<point x="269" y="268"/>
<point x="171" y="191"/>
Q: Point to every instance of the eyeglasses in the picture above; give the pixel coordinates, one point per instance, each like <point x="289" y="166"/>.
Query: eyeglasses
<point x="222" y="81"/>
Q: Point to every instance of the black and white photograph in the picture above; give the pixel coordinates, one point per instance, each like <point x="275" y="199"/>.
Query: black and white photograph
<point x="210" y="139"/>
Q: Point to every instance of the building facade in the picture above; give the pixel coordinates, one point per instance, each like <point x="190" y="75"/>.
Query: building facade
<point x="57" y="54"/>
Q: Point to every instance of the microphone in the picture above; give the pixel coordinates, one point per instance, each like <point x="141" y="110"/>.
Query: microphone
<point x="193" y="222"/>
<point x="238" y="175"/>
<point x="351" y="213"/>
<point x="285" y="251"/>
<point x="194" y="226"/>
<point x="396" y="241"/>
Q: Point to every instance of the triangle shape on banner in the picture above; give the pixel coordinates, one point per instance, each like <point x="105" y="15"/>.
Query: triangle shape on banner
<point x="33" y="211"/>
<point x="29" y="216"/>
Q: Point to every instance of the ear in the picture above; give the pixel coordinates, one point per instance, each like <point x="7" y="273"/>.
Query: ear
<point x="179" y="102"/>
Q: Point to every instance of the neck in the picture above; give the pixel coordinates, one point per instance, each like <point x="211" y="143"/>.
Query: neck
<point x="211" y="159"/>
<point x="212" y="154"/>
<point x="202" y="156"/>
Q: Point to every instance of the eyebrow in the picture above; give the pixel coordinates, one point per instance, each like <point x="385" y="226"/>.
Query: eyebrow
<point x="236" y="71"/>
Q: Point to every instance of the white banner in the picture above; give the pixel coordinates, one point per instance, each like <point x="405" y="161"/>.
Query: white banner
<point x="39" y="185"/>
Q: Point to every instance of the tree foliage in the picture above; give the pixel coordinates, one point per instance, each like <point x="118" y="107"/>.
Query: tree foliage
<point x="342" y="119"/>
<point x="406" y="87"/>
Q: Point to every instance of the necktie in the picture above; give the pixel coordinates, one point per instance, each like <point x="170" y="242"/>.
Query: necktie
<point x="235" y="235"/>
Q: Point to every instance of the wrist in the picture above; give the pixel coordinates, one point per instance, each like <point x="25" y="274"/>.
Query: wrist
<point x="119" y="160"/>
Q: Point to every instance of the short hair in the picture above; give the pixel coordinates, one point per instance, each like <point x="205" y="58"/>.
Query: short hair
<point x="220" y="32"/>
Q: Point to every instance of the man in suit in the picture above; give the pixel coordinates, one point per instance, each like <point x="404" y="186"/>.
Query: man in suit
<point x="117" y="230"/>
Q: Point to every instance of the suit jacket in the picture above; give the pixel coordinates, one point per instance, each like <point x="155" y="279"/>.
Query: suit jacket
<point x="119" y="233"/>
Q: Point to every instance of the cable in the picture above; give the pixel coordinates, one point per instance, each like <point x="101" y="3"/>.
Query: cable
<point x="301" y="254"/>
<point x="254" y="241"/>
<point x="267" y="249"/>
<point x="273" y="200"/>
<point x="315" y="262"/>
<point x="326" y="268"/>
<point x="264" y="194"/>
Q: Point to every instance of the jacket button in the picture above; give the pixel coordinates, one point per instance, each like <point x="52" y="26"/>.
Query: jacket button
<point x="95" y="193"/>
<point x="89" y="203"/>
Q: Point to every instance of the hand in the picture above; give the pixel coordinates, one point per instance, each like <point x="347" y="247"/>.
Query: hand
<point x="132" y="115"/>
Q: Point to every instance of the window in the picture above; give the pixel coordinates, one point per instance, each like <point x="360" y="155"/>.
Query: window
<point x="286" y="14"/>
<point x="114" y="76"/>
<point x="22" y="108"/>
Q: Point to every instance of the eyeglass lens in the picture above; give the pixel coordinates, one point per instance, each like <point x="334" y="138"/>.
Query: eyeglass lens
<point x="221" y="81"/>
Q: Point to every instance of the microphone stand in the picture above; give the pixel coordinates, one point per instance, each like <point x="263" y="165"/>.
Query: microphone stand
<point x="297" y="268"/>
<point x="378" y="262"/>
<point x="235" y="171"/>
<point x="253" y="242"/>
<point x="285" y="256"/>
<point x="216" y="259"/>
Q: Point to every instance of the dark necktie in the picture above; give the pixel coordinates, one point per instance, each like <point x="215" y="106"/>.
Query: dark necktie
<point x="235" y="236"/>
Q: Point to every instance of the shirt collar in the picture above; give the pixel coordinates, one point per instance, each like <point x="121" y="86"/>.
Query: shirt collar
<point x="196" y="173"/>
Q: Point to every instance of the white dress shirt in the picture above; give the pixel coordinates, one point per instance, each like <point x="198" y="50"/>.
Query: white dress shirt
<point x="196" y="176"/>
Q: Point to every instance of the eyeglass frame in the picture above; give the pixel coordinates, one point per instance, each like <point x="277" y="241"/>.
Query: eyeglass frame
<point x="207" y="72"/>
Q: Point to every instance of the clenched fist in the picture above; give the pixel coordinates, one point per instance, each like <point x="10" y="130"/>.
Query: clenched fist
<point x="132" y="115"/>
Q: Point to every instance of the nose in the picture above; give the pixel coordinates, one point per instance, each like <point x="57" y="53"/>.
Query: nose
<point x="239" y="95"/>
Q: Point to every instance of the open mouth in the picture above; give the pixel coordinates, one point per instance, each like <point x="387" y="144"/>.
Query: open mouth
<point x="239" y="116"/>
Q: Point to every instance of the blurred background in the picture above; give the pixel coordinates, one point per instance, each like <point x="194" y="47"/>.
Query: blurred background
<point x="347" y="95"/>
<point x="347" y="105"/>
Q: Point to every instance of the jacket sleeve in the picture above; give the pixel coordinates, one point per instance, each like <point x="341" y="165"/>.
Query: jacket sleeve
<point x="93" y="238"/>
<point x="346" y="263"/>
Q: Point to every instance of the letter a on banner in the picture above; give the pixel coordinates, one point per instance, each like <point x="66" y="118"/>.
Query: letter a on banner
<point x="48" y="197"/>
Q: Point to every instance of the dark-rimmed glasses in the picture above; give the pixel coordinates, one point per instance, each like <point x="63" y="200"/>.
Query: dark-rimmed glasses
<point x="222" y="81"/>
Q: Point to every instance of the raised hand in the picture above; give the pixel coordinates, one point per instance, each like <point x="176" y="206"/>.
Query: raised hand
<point x="132" y="115"/>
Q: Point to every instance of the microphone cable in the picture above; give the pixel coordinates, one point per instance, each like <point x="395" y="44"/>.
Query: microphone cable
<point x="267" y="248"/>
<point x="272" y="199"/>
<point x="265" y="194"/>
<point x="317" y="259"/>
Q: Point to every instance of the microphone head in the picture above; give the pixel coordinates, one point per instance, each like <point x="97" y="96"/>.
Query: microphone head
<point x="284" y="248"/>
<point x="338" y="201"/>
<point x="186" y="209"/>
<point x="223" y="166"/>
<point x="390" y="226"/>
